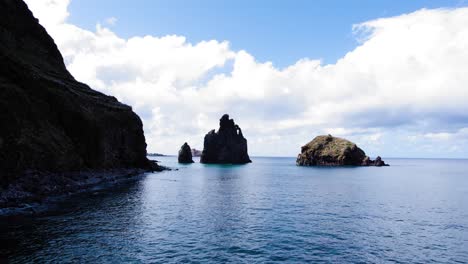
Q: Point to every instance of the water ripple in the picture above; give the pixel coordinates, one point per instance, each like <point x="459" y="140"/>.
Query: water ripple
<point x="267" y="212"/>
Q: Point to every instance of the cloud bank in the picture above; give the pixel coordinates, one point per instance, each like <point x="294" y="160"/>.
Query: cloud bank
<point x="401" y="92"/>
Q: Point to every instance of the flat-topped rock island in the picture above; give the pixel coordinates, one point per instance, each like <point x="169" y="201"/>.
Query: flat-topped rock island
<point x="334" y="151"/>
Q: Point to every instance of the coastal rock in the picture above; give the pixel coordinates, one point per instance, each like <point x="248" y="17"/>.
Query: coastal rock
<point x="49" y="121"/>
<point x="196" y="153"/>
<point x="378" y="162"/>
<point x="227" y="146"/>
<point x="156" y="155"/>
<point x="185" y="154"/>
<point x="334" y="151"/>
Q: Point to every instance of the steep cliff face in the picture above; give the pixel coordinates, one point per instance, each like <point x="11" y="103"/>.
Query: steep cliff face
<point x="49" y="121"/>
<point x="334" y="151"/>
<point x="227" y="146"/>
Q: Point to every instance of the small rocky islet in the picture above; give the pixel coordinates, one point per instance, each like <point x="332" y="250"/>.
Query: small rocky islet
<point x="196" y="152"/>
<point x="334" y="151"/>
<point x="185" y="154"/>
<point x="226" y="146"/>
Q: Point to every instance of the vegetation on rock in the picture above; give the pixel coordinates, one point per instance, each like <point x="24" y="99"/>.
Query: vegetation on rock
<point x="334" y="151"/>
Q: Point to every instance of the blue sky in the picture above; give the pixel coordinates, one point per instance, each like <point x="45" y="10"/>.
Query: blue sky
<point x="278" y="31"/>
<point x="286" y="71"/>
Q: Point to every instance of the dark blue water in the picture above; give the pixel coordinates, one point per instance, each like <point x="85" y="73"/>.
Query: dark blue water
<point x="268" y="211"/>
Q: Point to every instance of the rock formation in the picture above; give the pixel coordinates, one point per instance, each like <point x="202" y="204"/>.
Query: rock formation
<point x="196" y="153"/>
<point x="227" y="146"/>
<point x="156" y="155"/>
<point x="334" y="151"/>
<point x="49" y="121"/>
<point x="185" y="154"/>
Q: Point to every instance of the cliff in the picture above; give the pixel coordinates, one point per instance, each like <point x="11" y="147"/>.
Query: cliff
<point x="49" y="121"/>
<point x="334" y="151"/>
<point x="227" y="146"/>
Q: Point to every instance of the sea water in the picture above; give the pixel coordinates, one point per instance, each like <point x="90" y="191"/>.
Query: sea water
<point x="414" y="211"/>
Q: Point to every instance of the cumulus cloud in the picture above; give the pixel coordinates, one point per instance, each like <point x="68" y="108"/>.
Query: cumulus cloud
<point x="407" y="78"/>
<point x="50" y="12"/>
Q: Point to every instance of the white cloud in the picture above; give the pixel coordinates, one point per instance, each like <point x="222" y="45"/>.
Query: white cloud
<point x="49" y="12"/>
<point x="111" y="21"/>
<point x="459" y="134"/>
<point x="407" y="77"/>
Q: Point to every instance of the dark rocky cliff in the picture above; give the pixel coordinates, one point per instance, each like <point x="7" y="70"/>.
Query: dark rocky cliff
<point x="227" y="146"/>
<point x="49" y="121"/>
<point x="334" y="151"/>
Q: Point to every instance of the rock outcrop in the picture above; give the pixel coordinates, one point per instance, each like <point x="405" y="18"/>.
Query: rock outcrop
<point x="196" y="153"/>
<point x="334" y="151"/>
<point x="49" y="121"/>
<point x="185" y="154"/>
<point x="227" y="146"/>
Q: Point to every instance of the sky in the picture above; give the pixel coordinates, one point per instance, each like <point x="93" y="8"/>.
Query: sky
<point x="278" y="31"/>
<point x="388" y="75"/>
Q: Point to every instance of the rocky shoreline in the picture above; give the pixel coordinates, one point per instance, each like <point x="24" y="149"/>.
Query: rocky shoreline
<point x="36" y="192"/>
<point x="58" y="136"/>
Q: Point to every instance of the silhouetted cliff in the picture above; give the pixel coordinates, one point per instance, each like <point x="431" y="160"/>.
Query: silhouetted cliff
<point x="49" y="121"/>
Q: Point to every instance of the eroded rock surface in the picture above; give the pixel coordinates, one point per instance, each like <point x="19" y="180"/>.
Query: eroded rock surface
<point x="49" y="121"/>
<point x="185" y="154"/>
<point x="334" y="151"/>
<point x="196" y="153"/>
<point x="226" y="146"/>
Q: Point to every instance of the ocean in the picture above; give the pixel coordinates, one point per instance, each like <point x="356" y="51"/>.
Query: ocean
<point x="415" y="211"/>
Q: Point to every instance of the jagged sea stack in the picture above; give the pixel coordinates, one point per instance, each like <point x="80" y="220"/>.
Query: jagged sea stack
<point x="185" y="154"/>
<point x="227" y="146"/>
<point x="334" y="151"/>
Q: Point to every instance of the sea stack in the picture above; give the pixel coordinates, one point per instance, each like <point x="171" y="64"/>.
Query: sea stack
<point x="334" y="151"/>
<point x="185" y="154"/>
<point x="227" y="146"/>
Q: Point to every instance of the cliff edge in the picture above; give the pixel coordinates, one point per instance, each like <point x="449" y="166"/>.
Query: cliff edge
<point x="49" y="121"/>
